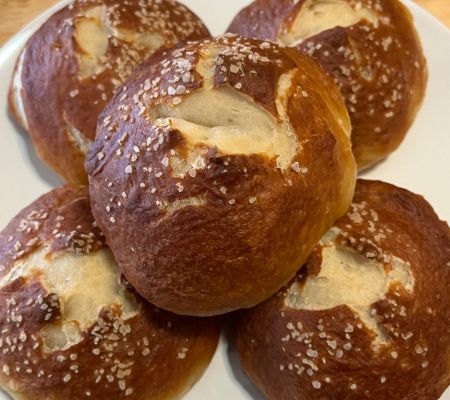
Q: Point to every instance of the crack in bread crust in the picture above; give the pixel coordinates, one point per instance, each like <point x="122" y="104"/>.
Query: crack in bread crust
<point x="316" y="16"/>
<point x="230" y="120"/>
<point x="349" y="278"/>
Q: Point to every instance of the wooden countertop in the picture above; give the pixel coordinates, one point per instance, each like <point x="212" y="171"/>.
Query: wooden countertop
<point x="17" y="13"/>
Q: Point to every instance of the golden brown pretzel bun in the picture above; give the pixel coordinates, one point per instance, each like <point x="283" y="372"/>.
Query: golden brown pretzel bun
<point x="72" y="328"/>
<point x="369" y="47"/>
<point x="368" y="317"/>
<point x="212" y="164"/>
<point x="73" y="64"/>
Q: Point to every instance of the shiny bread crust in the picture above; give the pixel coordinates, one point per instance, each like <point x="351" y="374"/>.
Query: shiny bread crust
<point x="297" y="353"/>
<point x="58" y="107"/>
<point x="152" y="354"/>
<point x="381" y="71"/>
<point x="226" y="234"/>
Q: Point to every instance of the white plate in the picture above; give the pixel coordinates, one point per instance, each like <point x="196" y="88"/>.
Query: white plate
<point x="422" y="164"/>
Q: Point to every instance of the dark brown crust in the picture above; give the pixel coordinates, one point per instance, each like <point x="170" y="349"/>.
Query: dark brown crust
<point x="63" y="219"/>
<point x="50" y="75"/>
<point x="220" y="256"/>
<point x="381" y="109"/>
<point x="156" y="354"/>
<point x="409" y="367"/>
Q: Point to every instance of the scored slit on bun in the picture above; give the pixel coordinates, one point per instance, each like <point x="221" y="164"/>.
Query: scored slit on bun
<point x="369" y="47"/>
<point x="367" y="317"/>
<point x="70" y="68"/>
<point x="73" y="328"/>
<point x="211" y="164"/>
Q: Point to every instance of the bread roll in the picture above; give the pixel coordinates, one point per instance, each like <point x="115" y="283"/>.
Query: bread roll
<point x="72" y="328"/>
<point x="73" y="64"/>
<point x="368" y="316"/>
<point x="369" y="47"/>
<point x="211" y="164"/>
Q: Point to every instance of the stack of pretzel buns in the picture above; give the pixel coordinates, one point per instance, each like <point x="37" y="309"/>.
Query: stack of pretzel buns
<point x="218" y="175"/>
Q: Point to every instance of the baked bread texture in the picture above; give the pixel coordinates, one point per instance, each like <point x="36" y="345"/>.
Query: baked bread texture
<point x="72" y="328"/>
<point x="212" y="164"/>
<point x="368" y="316"/>
<point x="73" y="64"/>
<point x="369" y="47"/>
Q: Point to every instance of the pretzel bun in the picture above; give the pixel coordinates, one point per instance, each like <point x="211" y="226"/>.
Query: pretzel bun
<point x="72" y="328"/>
<point x="73" y="64"/>
<point x="210" y="166"/>
<point x="368" y="316"/>
<point x="369" y="47"/>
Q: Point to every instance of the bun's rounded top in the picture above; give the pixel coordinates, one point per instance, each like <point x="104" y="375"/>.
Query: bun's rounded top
<point x="368" y="315"/>
<point x="227" y="93"/>
<point x="72" y="65"/>
<point x="369" y="47"/>
<point x="72" y="327"/>
<point x="201" y="159"/>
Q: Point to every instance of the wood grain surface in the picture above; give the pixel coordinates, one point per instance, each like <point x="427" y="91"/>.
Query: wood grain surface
<point x="14" y="14"/>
